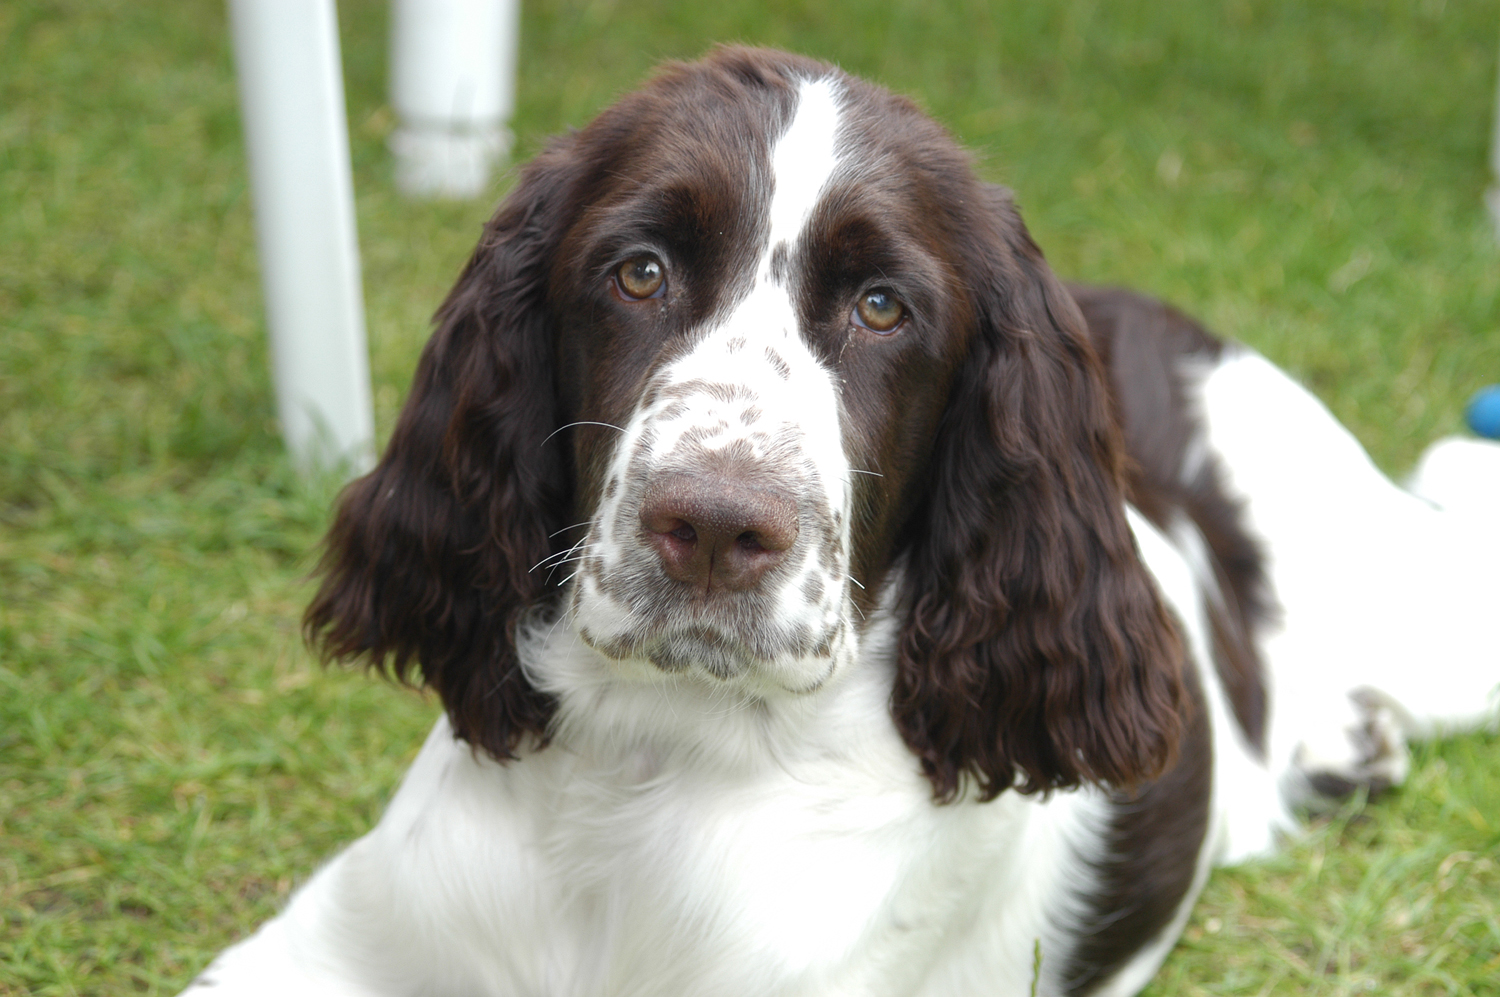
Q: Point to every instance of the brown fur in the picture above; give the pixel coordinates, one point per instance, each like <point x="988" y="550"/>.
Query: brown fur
<point x="428" y="562"/>
<point x="1037" y="653"/>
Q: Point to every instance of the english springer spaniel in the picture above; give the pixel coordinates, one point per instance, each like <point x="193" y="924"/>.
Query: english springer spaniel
<point x="826" y="600"/>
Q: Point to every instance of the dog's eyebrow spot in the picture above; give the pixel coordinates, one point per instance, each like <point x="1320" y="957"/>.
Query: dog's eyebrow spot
<point x="783" y="369"/>
<point x="779" y="257"/>
<point x="719" y="391"/>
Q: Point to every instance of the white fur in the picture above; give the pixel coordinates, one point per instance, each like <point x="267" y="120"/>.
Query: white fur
<point x="1380" y="592"/>
<point x="1460" y="475"/>
<point x="804" y="159"/>
<point x="702" y="846"/>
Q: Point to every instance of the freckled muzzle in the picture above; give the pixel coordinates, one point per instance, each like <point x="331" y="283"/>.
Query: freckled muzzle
<point x="719" y="550"/>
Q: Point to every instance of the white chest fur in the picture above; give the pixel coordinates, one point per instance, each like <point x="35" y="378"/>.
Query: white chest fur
<point x="613" y="863"/>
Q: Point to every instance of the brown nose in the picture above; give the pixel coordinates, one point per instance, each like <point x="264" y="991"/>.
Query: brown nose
<point x="715" y="531"/>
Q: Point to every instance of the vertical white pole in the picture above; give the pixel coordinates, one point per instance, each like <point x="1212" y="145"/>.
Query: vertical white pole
<point x="292" y="100"/>
<point x="453" y="69"/>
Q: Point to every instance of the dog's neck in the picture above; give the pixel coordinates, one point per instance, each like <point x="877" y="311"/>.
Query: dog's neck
<point x="631" y="714"/>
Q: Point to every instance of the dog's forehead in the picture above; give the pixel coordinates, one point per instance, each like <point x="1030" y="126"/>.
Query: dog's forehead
<point x="721" y="131"/>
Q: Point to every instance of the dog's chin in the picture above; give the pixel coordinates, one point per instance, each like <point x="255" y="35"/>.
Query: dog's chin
<point x="702" y="650"/>
<point x="705" y="654"/>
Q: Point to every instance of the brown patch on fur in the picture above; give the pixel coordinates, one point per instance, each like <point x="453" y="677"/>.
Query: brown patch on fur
<point x="717" y="390"/>
<point x="1037" y="653"/>
<point x="428" y="565"/>
<point x="782" y="368"/>
<point x="1148" y="349"/>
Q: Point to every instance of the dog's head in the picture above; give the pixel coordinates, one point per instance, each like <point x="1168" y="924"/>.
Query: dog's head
<point x="748" y="351"/>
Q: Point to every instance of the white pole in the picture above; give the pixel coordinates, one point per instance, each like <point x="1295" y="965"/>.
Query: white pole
<point x="453" y="70"/>
<point x="292" y="100"/>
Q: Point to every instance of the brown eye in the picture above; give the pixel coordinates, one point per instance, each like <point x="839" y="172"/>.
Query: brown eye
<point x="641" y="278"/>
<point x="879" y="312"/>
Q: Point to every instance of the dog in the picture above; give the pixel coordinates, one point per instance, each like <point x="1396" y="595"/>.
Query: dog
<point x="825" y="599"/>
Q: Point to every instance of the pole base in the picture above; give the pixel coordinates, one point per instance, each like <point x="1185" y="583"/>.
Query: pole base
<point x="445" y="163"/>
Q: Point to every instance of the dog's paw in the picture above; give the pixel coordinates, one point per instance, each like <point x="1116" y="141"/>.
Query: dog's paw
<point x="1367" y="751"/>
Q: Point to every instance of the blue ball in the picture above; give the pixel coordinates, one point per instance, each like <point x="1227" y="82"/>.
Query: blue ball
<point x="1483" y="412"/>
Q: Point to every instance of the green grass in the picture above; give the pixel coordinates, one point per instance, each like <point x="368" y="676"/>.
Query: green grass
<point x="1304" y="176"/>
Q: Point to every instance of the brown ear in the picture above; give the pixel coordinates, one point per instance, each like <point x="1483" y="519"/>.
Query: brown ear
<point x="429" y="561"/>
<point x="1036" y="652"/>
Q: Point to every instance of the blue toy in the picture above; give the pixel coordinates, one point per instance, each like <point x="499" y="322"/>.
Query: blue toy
<point x="1483" y="412"/>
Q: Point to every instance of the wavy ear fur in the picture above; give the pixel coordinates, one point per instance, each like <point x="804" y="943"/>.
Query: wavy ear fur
<point x="428" y="563"/>
<point x="1036" y="652"/>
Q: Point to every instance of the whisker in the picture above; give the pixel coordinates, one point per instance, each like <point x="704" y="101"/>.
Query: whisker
<point x="567" y="528"/>
<point x="563" y="554"/>
<point x="553" y="570"/>
<point x="873" y="474"/>
<point x="575" y="553"/>
<point x="584" y="422"/>
<point x="568" y="557"/>
<point x="855" y="581"/>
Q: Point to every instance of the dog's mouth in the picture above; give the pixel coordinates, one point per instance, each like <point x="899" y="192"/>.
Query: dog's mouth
<point x="712" y="649"/>
<point x="790" y="660"/>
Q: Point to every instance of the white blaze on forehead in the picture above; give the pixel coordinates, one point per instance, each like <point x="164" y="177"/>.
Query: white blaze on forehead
<point x="804" y="158"/>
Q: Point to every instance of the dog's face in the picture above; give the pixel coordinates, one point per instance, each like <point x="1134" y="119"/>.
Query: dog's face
<point x="772" y="327"/>
<point x="748" y="356"/>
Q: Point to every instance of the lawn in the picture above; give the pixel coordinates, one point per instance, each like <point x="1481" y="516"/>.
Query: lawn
<point x="1304" y="176"/>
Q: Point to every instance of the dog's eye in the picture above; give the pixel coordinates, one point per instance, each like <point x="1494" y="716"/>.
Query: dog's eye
<point x="642" y="277"/>
<point x="880" y="312"/>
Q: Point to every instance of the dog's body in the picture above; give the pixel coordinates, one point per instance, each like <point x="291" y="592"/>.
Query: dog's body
<point x="866" y="675"/>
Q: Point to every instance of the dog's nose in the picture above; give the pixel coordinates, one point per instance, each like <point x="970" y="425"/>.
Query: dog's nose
<point x="717" y="532"/>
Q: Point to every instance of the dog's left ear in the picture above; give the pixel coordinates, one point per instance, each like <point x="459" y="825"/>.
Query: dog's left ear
<point x="1036" y="651"/>
<point x="429" y="563"/>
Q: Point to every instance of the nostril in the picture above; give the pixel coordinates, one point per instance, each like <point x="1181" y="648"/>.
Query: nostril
<point x="685" y="533"/>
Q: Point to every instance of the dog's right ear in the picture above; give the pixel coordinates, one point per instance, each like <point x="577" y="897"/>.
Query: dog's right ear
<point x="428" y="567"/>
<point x="1037" y="652"/>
